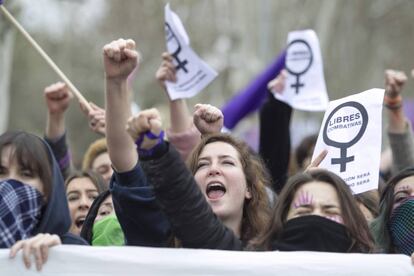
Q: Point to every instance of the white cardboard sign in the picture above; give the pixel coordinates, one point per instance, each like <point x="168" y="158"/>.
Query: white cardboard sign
<point x="351" y="132"/>
<point x="305" y="87"/>
<point x="192" y="73"/>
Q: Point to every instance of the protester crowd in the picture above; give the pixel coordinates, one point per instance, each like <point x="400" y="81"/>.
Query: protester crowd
<point x="193" y="185"/>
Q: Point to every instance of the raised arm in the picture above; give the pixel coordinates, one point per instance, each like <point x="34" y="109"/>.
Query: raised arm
<point x="138" y="212"/>
<point x="182" y="133"/>
<point x="394" y="83"/>
<point x="179" y="113"/>
<point x="399" y="129"/>
<point x="275" y="145"/>
<point x="120" y="59"/>
<point x="57" y="97"/>
<point x="191" y="217"/>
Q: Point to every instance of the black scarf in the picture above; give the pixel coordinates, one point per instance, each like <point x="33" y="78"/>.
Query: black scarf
<point x="313" y="233"/>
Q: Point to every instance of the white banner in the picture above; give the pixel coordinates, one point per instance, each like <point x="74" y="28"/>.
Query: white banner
<point x="122" y="261"/>
<point x="192" y="73"/>
<point x="351" y="132"/>
<point x="305" y="87"/>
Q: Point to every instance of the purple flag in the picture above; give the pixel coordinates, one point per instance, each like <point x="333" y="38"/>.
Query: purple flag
<point x="1" y="2"/>
<point x="252" y="97"/>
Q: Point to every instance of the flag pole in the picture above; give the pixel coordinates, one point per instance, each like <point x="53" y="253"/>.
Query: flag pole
<point x="49" y="61"/>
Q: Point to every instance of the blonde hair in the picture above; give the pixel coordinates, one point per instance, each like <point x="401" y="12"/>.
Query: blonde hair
<point x="96" y="148"/>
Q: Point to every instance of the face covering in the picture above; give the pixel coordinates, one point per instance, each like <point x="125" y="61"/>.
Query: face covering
<point x="20" y="211"/>
<point x="107" y="232"/>
<point x="401" y="227"/>
<point x="313" y="233"/>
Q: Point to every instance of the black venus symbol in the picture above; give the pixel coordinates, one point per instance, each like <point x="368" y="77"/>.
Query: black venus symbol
<point x="170" y="35"/>
<point x="300" y="51"/>
<point x="343" y="158"/>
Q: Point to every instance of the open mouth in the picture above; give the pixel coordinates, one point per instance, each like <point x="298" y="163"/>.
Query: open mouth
<point x="79" y="222"/>
<point x="215" y="190"/>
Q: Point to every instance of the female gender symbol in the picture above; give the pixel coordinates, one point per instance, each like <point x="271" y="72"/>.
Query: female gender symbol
<point x="343" y="159"/>
<point x="299" y="60"/>
<point x="170" y="37"/>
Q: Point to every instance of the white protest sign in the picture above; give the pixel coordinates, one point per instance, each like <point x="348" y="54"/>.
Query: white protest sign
<point x="351" y="132"/>
<point x="305" y="87"/>
<point x="130" y="260"/>
<point x="192" y="73"/>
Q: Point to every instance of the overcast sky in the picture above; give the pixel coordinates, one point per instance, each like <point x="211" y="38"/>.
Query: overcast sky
<point x="53" y="16"/>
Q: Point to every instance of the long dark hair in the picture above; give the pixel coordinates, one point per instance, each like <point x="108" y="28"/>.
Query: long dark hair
<point x="379" y="225"/>
<point x="30" y="152"/>
<point x="353" y="219"/>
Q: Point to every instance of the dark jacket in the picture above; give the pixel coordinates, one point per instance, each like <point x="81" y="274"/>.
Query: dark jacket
<point x="274" y="145"/>
<point x="195" y="225"/>
<point x="190" y="215"/>
<point x="138" y="212"/>
<point x="55" y="215"/>
<point x="61" y="152"/>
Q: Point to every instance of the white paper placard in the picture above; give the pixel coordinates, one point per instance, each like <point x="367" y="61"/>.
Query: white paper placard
<point x="305" y="87"/>
<point x="192" y="73"/>
<point x="351" y="132"/>
<point x="129" y="260"/>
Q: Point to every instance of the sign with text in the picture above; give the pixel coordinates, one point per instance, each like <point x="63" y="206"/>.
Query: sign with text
<point x="305" y="87"/>
<point x="351" y="132"/>
<point x="192" y="73"/>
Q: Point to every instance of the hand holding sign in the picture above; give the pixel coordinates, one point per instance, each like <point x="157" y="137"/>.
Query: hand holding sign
<point x="351" y="131"/>
<point x="305" y="87"/>
<point x="192" y="73"/>
<point x="277" y="85"/>
<point x="166" y="71"/>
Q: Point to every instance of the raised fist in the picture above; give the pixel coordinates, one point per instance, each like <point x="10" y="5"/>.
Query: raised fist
<point x="394" y="83"/>
<point x="120" y="59"/>
<point x="57" y="98"/>
<point x="208" y="119"/>
<point x="148" y="120"/>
